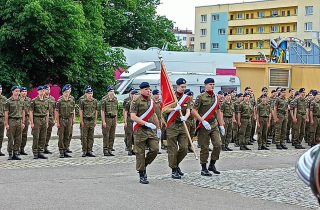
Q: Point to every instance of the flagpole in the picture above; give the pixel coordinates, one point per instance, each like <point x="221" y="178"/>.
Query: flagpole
<point x="183" y="122"/>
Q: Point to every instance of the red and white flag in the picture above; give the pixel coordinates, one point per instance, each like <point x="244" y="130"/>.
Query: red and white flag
<point x="168" y="96"/>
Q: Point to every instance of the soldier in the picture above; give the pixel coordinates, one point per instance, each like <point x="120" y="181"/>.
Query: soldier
<point x="280" y="114"/>
<point x="253" y="117"/>
<point x="88" y="118"/>
<point x="64" y="115"/>
<point x="129" y="123"/>
<point x="227" y="108"/>
<point x="315" y="119"/>
<point x="236" y="126"/>
<point x="221" y="96"/>
<point x="109" y="111"/>
<point x="27" y="101"/>
<point x="289" y="124"/>
<point x="13" y="114"/>
<point x="263" y="122"/>
<point x="299" y="118"/>
<point x="292" y="113"/>
<point x="84" y="96"/>
<point x="206" y="110"/>
<point x="157" y="109"/>
<point x="244" y="121"/>
<point x="177" y="136"/>
<point x="145" y="121"/>
<point x="264" y="91"/>
<point x="191" y="123"/>
<point x="307" y="129"/>
<point x="73" y="120"/>
<point x="125" y="102"/>
<point x="39" y="120"/>
<point x="271" y="129"/>
<point x="233" y="101"/>
<point x="52" y="104"/>
<point x="3" y="100"/>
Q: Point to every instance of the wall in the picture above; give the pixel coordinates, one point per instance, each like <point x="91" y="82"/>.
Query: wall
<point x="214" y="33"/>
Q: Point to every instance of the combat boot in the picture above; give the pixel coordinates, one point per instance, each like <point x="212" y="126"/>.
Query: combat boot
<point x="90" y="154"/>
<point x="212" y="167"/>
<point x="190" y="149"/>
<point x="61" y="155"/>
<point x="22" y="152"/>
<point x="279" y="147"/>
<point x="41" y="156"/>
<point x="229" y="149"/>
<point x="224" y="149"/>
<point x="284" y="147"/>
<point x="143" y="179"/>
<point x="175" y="174"/>
<point x="130" y="153"/>
<point x="1" y="154"/>
<point x="35" y="157"/>
<point x="204" y="171"/>
<point x="16" y="156"/>
<point x="179" y="171"/>
<point x="264" y="148"/>
<point x="66" y="155"/>
<point x="246" y="148"/>
<point x="84" y="154"/>
<point x="10" y="157"/>
<point x="242" y="148"/>
<point x="46" y="151"/>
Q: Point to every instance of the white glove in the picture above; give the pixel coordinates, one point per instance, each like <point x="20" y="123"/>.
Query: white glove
<point x="222" y="130"/>
<point x="183" y="118"/>
<point x="159" y="133"/>
<point x="206" y="125"/>
<point x="150" y="125"/>
<point x="177" y="108"/>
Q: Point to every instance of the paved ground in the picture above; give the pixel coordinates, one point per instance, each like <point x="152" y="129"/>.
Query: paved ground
<point x="249" y="180"/>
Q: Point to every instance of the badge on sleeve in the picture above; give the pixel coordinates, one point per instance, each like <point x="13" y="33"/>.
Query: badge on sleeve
<point x="196" y="103"/>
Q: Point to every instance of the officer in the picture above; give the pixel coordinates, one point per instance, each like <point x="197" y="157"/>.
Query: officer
<point x="299" y="108"/>
<point x="64" y="115"/>
<point x="84" y="96"/>
<point x="264" y="90"/>
<point x="227" y="109"/>
<point x="39" y="120"/>
<point x="73" y="120"/>
<point x="157" y="109"/>
<point x="145" y="121"/>
<point x="129" y="123"/>
<point x="177" y="136"/>
<point x="52" y="104"/>
<point x="26" y="100"/>
<point x="206" y="110"/>
<point x="191" y="123"/>
<point x="315" y="118"/>
<point x="236" y="126"/>
<point x="88" y="118"/>
<point x="263" y="121"/>
<point x="125" y="102"/>
<point x="3" y="100"/>
<point x="109" y="110"/>
<point x="244" y="121"/>
<point x="186" y="91"/>
<point x="289" y="124"/>
<point x="280" y="113"/>
<point x="14" y="122"/>
<point x="221" y="96"/>
<point x="307" y="129"/>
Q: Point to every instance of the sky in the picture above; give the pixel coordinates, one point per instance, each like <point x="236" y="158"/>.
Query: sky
<point x="182" y="12"/>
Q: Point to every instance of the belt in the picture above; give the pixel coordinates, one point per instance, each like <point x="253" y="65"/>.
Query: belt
<point x="15" y="118"/>
<point x="40" y="116"/>
<point x="227" y="116"/>
<point x="1" y="116"/>
<point x="264" y="116"/>
<point x="211" y="120"/>
<point x="302" y="114"/>
<point x="88" y="118"/>
<point x="177" y="121"/>
<point x="50" y="115"/>
<point x="108" y="116"/>
<point x="245" y="117"/>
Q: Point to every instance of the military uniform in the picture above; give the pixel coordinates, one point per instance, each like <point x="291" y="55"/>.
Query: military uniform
<point x="110" y="108"/>
<point x="236" y="126"/>
<point x="129" y="128"/>
<point x="289" y="124"/>
<point x="245" y="109"/>
<point x="299" y="127"/>
<point x="315" y="128"/>
<point x="40" y="107"/>
<point x="89" y="109"/>
<point x="228" y="111"/>
<point x="3" y="100"/>
<point x="271" y="129"/>
<point x="65" y="110"/>
<point x="263" y="111"/>
<point x="253" y="121"/>
<point x="127" y="101"/>
<point x="52" y="104"/>
<point x="307" y="129"/>
<point x="281" y="106"/>
<point x="83" y="97"/>
<point x="14" y="134"/>
<point x="27" y="102"/>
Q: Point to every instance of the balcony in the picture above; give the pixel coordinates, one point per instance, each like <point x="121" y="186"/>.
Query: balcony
<point x="260" y="36"/>
<point x="263" y="21"/>
<point x="254" y="51"/>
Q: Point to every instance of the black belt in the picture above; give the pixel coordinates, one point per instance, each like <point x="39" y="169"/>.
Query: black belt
<point x="227" y="116"/>
<point x="264" y="116"/>
<point x="50" y="115"/>
<point x="88" y="118"/>
<point x="246" y="117"/>
<point x="40" y="116"/>
<point x="15" y="118"/>
<point x="1" y="116"/>
<point x="211" y="120"/>
<point x="318" y="116"/>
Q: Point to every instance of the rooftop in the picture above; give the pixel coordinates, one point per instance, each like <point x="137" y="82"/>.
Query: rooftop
<point x="244" y="2"/>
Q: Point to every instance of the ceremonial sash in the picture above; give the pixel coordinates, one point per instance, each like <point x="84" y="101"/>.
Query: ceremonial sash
<point x="145" y="116"/>
<point x="173" y="114"/>
<point x="210" y="112"/>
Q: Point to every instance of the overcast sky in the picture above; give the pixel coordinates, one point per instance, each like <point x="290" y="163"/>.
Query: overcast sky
<point x="183" y="11"/>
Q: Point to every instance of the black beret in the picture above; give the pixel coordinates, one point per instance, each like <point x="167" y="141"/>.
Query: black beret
<point x="181" y="81"/>
<point x="209" y="80"/>
<point x="186" y="91"/>
<point x="226" y="93"/>
<point x="46" y="86"/>
<point x="144" y="85"/>
<point x="110" y="87"/>
<point x="23" y="88"/>
<point x="134" y="92"/>
<point x="247" y="88"/>
<point x="283" y="89"/>
<point x="190" y="93"/>
<point x="40" y="88"/>
<point x="273" y="91"/>
<point x="220" y="92"/>
<point x="239" y="95"/>
<point x="297" y="93"/>
<point x="66" y="87"/>
<point x="291" y="89"/>
<point x="89" y="90"/>
<point x="86" y="87"/>
<point x="246" y="94"/>
<point x="202" y="90"/>
<point x="264" y="88"/>
<point x="301" y="90"/>
<point x="278" y="88"/>
<point x="315" y="92"/>
<point x="263" y="95"/>
<point x="233" y="90"/>
<point x="14" y="87"/>
<point x="155" y="91"/>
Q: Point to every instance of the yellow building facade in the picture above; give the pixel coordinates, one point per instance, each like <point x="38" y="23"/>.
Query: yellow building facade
<point x="246" y="28"/>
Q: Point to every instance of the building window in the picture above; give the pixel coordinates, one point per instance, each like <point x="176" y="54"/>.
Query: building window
<point x="247" y="16"/>
<point x="279" y="77"/>
<point x="203" y="32"/>
<point x="309" y="10"/>
<point x="191" y="39"/>
<point x="260" y="44"/>
<point x="239" y="16"/>
<point x="308" y="42"/>
<point x="260" y="29"/>
<point x="177" y="38"/>
<point x="222" y="31"/>
<point x="215" y="45"/>
<point x="274" y="13"/>
<point x="295" y="27"/>
<point x="288" y="13"/>
<point x="203" y="18"/>
<point x="273" y="29"/>
<point x="283" y="13"/>
<point x="261" y="14"/>
<point x="239" y="45"/>
<point x="247" y="31"/>
<point x="308" y="26"/>
<point x="215" y="17"/>
<point x="239" y="30"/>
<point x="282" y="29"/>
<point x="202" y="46"/>
<point x="184" y="38"/>
<point x="296" y="11"/>
<point x="288" y="28"/>
<point x="230" y="46"/>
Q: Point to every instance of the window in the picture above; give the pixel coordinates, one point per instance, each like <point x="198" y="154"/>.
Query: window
<point x="308" y="26"/>
<point x="282" y="29"/>
<point x="239" y="16"/>
<point x="247" y="16"/>
<point x="202" y="46"/>
<point x="288" y="28"/>
<point x="260" y="44"/>
<point x="239" y="30"/>
<point x="215" y="45"/>
<point x="273" y="29"/>
<point x="231" y="17"/>
<point x="228" y="88"/>
<point x="279" y="77"/>
<point x="222" y="31"/>
<point x="260" y="29"/>
<point x="296" y="11"/>
<point x="215" y="17"/>
<point x="251" y="45"/>
<point x="295" y="27"/>
<point x="203" y="32"/>
<point x="274" y="13"/>
<point x="191" y="39"/>
<point x="261" y="14"/>
<point x="309" y="10"/>
<point x="203" y="18"/>
<point x="308" y="42"/>
<point x="239" y="45"/>
<point x="177" y="37"/>
<point x="283" y="13"/>
<point x="184" y="38"/>
<point x="230" y="46"/>
<point x="247" y="31"/>
<point x="288" y="13"/>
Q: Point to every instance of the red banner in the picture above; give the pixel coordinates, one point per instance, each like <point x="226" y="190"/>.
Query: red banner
<point x="168" y="96"/>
